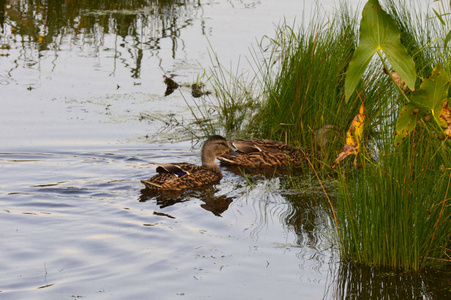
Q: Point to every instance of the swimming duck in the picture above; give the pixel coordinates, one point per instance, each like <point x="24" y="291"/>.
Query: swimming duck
<point x="185" y="176"/>
<point x="259" y="153"/>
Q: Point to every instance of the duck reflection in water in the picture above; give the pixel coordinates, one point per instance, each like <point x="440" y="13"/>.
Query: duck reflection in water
<point x="217" y="204"/>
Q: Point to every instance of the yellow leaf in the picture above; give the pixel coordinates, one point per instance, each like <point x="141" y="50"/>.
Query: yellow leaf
<point x="353" y="137"/>
<point x="445" y="116"/>
<point x="40" y="39"/>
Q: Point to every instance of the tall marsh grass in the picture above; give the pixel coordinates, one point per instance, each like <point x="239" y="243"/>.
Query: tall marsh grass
<point x="396" y="211"/>
<point x="297" y="89"/>
<point x="230" y="104"/>
<point x="306" y="90"/>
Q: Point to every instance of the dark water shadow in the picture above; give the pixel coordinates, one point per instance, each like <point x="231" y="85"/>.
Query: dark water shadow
<point x="355" y="281"/>
<point x="2" y="15"/>
<point x="216" y="204"/>
<point x="310" y="218"/>
<point x="171" y="85"/>
<point x="306" y="211"/>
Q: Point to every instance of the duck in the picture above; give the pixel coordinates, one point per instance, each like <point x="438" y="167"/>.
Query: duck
<point x="261" y="153"/>
<point x="185" y="176"/>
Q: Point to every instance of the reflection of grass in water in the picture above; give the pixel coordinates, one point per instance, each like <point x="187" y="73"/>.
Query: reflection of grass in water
<point x="307" y="183"/>
<point x="355" y="281"/>
<point x="136" y="26"/>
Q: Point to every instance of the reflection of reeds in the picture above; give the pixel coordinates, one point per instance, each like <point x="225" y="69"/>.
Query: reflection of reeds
<point x="309" y="216"/>
<point x="51" y="24"/>
<point x="353" y="281"/>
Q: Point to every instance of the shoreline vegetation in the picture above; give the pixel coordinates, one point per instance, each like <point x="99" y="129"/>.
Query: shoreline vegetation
<point x="376" y="91"/>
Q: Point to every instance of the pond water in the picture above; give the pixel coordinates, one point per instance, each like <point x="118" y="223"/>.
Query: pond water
<point x="75" y="79"/>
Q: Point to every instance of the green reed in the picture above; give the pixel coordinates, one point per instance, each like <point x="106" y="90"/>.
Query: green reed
<point x="305" y="93"/>
<point x="307" y="89"/>
<point x="396" y="211"/>
<point x="228" y="106"/>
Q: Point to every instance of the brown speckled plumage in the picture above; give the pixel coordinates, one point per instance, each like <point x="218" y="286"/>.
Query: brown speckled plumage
<point x="185" y="176"/>
<point x="258" y="153"/>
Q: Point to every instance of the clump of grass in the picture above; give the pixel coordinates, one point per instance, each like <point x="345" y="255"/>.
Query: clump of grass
<point x="306" y="90"/>
<point x="395" y="212"/>
<point x="224" y="106"/>
<point x="305" y="94"/>
<point x="299" y="79"/>
<point x="230" y="106"/>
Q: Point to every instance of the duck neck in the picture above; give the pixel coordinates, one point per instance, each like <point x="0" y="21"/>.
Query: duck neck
<point x="208" y="159"/>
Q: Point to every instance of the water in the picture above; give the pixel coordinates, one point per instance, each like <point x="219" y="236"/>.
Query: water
<point x="75" y="79"/>
<point x="81" y="226"/>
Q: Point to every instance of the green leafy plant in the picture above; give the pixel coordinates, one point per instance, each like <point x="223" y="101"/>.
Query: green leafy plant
<point x="428" y="100"/>
<point x="379" y="32"/>
<point x="395" y="211"/>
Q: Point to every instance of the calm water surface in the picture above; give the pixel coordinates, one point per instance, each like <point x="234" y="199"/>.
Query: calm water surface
<point x="75" y="79"/>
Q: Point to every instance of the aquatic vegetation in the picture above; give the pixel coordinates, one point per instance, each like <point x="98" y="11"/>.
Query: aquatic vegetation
<point x="230" y="105"/>
<point x="394" y="211"/>
<point x="392" y="208"/>
<point x="353" y="137"/>
<point x="379" y="33"/>
<point x="306" y="90"/>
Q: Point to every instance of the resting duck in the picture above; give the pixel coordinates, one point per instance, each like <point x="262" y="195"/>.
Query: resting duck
<point x="185" y="176"/>
<point x="258" y="153"/>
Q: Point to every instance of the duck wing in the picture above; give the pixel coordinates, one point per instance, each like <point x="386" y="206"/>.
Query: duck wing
<point x="243" y="146"/>
<point x="259" y="153"/>
<point x="272" y="146"/>
<point x="200" y="177"/>
<point x="178" y="170"/>
<point x="181" y="176"/>
<point x="259" y="145"/>
<point x="256" y="159"/>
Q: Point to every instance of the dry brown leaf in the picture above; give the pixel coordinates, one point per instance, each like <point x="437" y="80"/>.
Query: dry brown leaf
<point x="399" y="81"/>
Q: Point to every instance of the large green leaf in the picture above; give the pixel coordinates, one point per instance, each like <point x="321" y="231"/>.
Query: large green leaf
<point x="428" y="100"/>
<point x="378" y="31"/>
